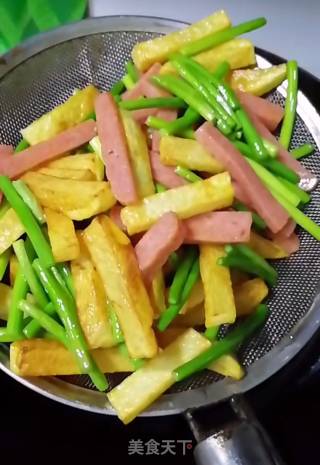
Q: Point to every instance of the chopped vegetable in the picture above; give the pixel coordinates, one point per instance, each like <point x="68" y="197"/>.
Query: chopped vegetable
<point x="291" y="104"/>
<point x="217" y="38"/>
<point x="132" y="71"/>
<point x="23" y="144"/>
<point x="244" y="258"/>
<point x="304" y="197"/>
<point x="189" y="118"/>
<point x="45" y="321"/>
<point x="66" y="309"/>
<point x="226" y="345"/>
<point x="218" y="295"/>
<point x="302" y="151"/>
<point x="31" y="226"/>
<point x="160" y="188"/>
<point x="187" y="174"/>
<point x="21" y="250"/>
<point x="273" y="183"/>
<point x="155" y="377"/>
<point x="299" y="217"/>
<point x="252" y="137"/>
<point x="128" y="82"/>
<point x="181" y="276"/>
<point x="157" y="102"/>
<point x="117" y="88"/>
<point x="15" y="316"/>
<point x="190" y="95"/>
<point x="186" y="201"/>
<point x="4" y="261"/>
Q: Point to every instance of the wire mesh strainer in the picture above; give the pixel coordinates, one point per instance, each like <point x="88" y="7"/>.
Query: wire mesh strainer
<point x="43" y="73"/>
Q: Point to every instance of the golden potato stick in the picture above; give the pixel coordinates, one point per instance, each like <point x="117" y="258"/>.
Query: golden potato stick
<point x="43" y="357"/>
<point x="139" y="155"/>
<point x="187" y="153"/>
<point x="258" y="81"/>
<point x="144" y="386"/>
<point x="79" y="162"/>
<point x="62" y="117"/>
<point x="11" y="229"/>
<point x="228" y="365"/>
<point x="5" y="297"/>
<point x="238" y="53"/>
<point x="158" y="50"/>
<point x="62" y="236"/>
<point x="210" y="194"/>
<point x="266" y="248"/>
<point x="249" y="295"/>
<point x="218" y="294"/>
<point x="76" y="199"/>
<point x="92" y="304"/>
<point x="66" y="173"/>
<point x="157" y="293"/>
<point x="115" y="260"/>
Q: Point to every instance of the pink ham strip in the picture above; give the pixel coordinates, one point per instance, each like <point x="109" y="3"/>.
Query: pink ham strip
<point x="154" y="248"/>
<point x="164" y="174"/>
<point x="140" y="88"/>
<point x="218" y="227"/>
<point x="241" y="195"/>
<point x="290" y="244"/>
<point x="6" y="150"/>
<point x="285" y="232"/>
<point x="115" y="150"/>
<point x="269" y="113"/>
<point x="284" y="156"/>
<point x="44" y="151"/>
<point x="114" y="214"/>
<point x="142" y="115"/>
<point x="225" y="152"/>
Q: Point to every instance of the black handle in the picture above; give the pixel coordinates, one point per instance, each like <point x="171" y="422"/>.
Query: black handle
<point x="239" y="440"/>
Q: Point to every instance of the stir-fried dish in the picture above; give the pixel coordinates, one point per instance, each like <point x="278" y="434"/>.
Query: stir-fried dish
<point x="134" y="223"/>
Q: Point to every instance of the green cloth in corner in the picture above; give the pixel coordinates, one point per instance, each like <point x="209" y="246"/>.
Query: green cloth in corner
<point x="21" y="19"/>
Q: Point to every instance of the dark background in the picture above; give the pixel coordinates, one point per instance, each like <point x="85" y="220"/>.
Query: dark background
<point x="36" y="430"/>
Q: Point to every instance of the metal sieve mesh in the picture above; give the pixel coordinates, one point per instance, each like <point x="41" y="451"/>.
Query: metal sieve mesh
<point x="49" y="77"/>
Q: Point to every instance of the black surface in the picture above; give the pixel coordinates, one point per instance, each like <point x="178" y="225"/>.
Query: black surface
<point x="35" y="430"/>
